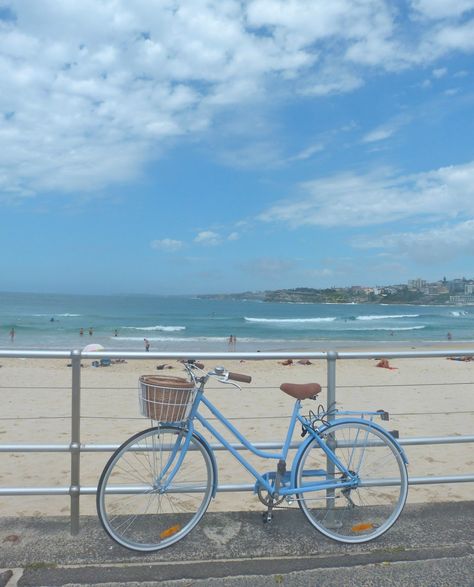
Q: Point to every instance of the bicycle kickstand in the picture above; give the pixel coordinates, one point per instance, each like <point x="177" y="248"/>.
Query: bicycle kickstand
<point x="281" y="470"/>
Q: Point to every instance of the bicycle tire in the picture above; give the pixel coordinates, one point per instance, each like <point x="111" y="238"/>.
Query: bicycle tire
<point x="134" y="505"/>
<point x="369" y="509"/>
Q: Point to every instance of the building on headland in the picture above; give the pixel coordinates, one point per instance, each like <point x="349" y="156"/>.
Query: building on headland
<point x="462" y="300"/>
<point x="417" y="284"/>
<point x="416" y="291"/>
<point x="466" y="298"/>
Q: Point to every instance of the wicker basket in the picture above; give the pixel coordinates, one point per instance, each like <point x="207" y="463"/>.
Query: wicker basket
<point x="165" y="399"/>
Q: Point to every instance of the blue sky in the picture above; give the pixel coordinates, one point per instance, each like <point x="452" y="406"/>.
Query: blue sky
<point x="224" y="146"/>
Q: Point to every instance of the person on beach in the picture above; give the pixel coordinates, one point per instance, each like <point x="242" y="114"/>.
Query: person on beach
<point x="115" y="332"/>
<point x="286" y="362"/>
<point x="449" y="336"/>
<point x="90" y="331"/>
<point x="385" y="364"/>
<point x="147" y="344"/>
<point x="12" y="334"/>
<point x="81" y="332"/>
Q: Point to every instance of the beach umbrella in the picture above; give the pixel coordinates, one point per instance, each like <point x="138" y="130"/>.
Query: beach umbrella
<point x="89" y="348"/>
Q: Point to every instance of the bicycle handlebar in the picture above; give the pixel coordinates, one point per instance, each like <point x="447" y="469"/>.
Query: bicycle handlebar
<point x="219" y="372"/>
<point x="239" y="377"/>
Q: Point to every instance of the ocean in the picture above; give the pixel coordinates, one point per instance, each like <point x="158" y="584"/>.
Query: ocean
<point x="177" y="323"/>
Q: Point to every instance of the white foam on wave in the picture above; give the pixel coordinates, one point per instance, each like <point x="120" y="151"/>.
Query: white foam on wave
<point x="385" y="317"/>
<point x="458" y="313"/>
<point x="224" y="339"/>
<point x="173" y="338"/>
<point x="65" y="315"/>
<point x="387" y="328"/>
<point x="158" y="327"/>
<point x="288" y="320"/>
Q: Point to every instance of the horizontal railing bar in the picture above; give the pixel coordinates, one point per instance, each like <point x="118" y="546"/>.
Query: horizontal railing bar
<point x="35" y="491"/>
<point x="32" y="354"/>
<point x="91" y="490"/>
<point x="35" y="448"/>
<point x="217" y="446"/>
<point x="435" y="440"/>
<point x="8" y="353"/>
<point x="445" y="479"/>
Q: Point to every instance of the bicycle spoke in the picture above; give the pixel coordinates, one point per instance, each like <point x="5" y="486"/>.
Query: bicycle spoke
<point x="166" y="509"/>
<point x="368" y="506"/>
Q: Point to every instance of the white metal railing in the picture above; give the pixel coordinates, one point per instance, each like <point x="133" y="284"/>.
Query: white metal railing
<point x="75" y="448"/>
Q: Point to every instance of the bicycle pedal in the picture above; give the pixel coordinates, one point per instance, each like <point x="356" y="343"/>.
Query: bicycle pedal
<point x="267" y="517"/>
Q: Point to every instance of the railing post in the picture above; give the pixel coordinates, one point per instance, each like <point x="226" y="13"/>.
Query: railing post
<point x="331" y="375"/>
<point x="75" y="448"/>
<point x="331" y="404"/>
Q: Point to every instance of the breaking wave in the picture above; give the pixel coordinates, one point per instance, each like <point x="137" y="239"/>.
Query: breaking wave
<point x="288" y="320"/>
<point x="385" y="317"/>
<point x="158" y="327"/>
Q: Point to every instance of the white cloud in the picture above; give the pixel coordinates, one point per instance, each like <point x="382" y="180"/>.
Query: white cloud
<point x="456" y="37"/>
<point x="307" y="153"/>
<point x="91" y="91"/>
<point x="379" y="198"/>
<point x="378" y="134"/>
<point x="256" y="154"/>
<point x="386" y="130"/>
<point x="208" y="237"/>
<point x="437" y="9"/>
<point x="167" y="244"/>
<point x="431" y="245"/>
<point x="233" y="236"/>
<point x="439" y="72"/>
<point x="333" y="79"/>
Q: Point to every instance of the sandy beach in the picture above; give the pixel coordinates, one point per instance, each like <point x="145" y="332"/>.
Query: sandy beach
<point x="425" y="397"/>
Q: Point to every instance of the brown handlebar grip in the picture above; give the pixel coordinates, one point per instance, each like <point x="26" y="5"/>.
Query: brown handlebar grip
<point x="239" y="377"/>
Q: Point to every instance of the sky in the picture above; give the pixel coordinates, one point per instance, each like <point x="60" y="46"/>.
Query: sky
<point x="177" y="147"/>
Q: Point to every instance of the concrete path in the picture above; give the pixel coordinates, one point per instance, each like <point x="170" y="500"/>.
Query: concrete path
<point x="431" y="545"/>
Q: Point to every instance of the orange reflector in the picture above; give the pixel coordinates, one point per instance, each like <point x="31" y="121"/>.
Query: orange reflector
<point x="362" y="526"/>
<point x="170" y="531"/>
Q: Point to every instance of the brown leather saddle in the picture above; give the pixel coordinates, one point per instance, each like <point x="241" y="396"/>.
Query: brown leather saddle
<point x="301" y="390"/>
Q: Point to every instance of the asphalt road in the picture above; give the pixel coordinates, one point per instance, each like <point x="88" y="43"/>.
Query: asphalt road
<point x="431" y="545"/>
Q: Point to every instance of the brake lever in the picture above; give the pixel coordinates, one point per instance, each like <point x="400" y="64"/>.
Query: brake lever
<point x="227" y="382"/>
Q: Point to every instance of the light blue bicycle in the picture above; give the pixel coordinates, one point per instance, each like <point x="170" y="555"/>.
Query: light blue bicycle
<point x="348" y="476"/>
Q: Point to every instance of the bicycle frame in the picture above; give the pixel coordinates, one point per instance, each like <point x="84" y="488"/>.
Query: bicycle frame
<point x="295" y="417"/>
<point x="289" y="486"/>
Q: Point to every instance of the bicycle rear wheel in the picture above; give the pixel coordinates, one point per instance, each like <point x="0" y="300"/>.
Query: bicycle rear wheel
<point x="138" y="506"/>
<point x="369" y="508"/>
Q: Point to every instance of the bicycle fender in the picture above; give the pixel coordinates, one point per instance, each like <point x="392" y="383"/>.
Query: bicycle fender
<point x="209" y="451"/>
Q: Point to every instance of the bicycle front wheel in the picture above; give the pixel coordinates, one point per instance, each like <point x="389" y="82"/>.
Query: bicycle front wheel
<point x="369" y="507"/>
<point x="146" y="499"/>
